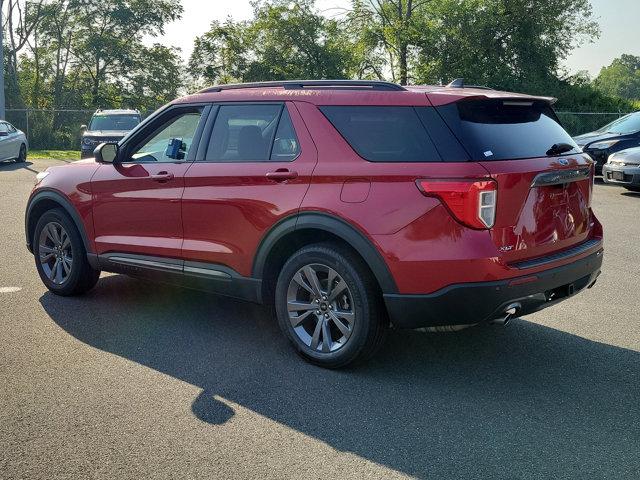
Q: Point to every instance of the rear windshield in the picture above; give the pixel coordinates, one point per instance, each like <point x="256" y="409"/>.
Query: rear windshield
<point x="506" y="129"/>
<point x="383" y="134"/>
<point x="114" y="122"/>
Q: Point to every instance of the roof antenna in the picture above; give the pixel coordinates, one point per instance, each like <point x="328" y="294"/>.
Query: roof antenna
<point x="457" y="83"/>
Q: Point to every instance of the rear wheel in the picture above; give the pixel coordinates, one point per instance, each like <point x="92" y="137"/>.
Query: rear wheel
<point x="22" y="156"/>
<point x="61" y="258"/>
<point x="329" y="306"/>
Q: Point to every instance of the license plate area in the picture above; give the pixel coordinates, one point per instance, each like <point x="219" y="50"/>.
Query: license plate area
<point x="617" y="176"/>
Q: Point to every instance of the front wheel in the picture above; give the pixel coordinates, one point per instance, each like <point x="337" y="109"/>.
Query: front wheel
<point x="60" y="255"/>
<point x="329" y="306"/>
<point x="633" y="188"/>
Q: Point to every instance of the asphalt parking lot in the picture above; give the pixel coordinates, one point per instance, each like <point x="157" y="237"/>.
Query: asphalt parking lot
<point x="138" y="380"/>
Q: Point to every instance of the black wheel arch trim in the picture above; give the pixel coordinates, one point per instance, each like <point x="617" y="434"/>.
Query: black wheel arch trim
<point x="330" y="224"/>
<point x="65" y="204"/>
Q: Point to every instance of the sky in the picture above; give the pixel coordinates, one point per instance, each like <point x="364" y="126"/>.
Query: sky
<point x="618" y="22"/>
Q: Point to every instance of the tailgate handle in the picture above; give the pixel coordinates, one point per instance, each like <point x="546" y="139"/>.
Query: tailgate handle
<point x="560" y="177"/>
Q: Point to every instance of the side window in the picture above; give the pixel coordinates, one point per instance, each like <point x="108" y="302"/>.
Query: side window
<point x="11" y="128"/>
<point x="383" y="134"/>
<point x="4" y="128"/>
<point x="244" y="133"/>
<point x="171" y="141"/>
<point x="285" y="146"/>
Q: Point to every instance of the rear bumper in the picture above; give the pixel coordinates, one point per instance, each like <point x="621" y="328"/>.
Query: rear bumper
<point x="471" y="303"/>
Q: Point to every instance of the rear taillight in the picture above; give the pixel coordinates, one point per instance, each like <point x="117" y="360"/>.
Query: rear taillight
<point x="472" y="202"/>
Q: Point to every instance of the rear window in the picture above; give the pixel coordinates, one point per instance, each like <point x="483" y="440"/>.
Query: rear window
<point x="383" y="134"/>
<point x="505" y="129"/>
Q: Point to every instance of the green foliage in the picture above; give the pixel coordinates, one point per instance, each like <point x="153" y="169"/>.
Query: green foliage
<point x="284" y="40"/>
<point x="621" y="78"/>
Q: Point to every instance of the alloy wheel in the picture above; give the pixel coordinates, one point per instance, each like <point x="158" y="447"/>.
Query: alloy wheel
<point x="55" y="253"/>
<point x="320" y="307"/>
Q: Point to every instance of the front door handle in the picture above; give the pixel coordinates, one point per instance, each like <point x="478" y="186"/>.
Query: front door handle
<point x="162" y="177"/>
<point x="282" y="175"/>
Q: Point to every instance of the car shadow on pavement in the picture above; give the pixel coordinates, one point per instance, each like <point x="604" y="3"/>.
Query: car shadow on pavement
<point x="517" y="402"/>
<point x="11" y="166"/>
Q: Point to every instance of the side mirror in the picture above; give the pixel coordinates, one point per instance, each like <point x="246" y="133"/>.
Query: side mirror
<point x="106" y="153"/>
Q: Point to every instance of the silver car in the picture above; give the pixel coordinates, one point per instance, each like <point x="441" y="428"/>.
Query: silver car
<point x="13" y="143"/>
<point x="623" y="168"/>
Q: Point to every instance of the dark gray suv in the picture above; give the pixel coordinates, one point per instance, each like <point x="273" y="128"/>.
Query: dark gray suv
<point x="107" y="126"/>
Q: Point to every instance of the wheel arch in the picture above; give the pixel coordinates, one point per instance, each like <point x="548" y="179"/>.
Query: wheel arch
<point x="45" y="200"/>
<point x="296" y="231"/>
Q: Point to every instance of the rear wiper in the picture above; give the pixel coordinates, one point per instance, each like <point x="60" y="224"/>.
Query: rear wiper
<point x="559" y="149"/>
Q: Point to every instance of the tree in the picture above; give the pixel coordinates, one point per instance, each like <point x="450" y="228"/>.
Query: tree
<point x="284" y="40"/>
<point x="512" y="44"/>
<point x="110" y="34"/>
<point x="397" y="27"/>
<point x="621" y="78"/>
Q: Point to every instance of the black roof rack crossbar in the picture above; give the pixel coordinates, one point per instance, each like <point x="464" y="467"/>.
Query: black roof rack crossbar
<point x="319" y="84"/>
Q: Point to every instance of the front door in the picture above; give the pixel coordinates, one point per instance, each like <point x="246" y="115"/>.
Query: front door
<point x="137" y="200"/>
<point x="256" y="171"/>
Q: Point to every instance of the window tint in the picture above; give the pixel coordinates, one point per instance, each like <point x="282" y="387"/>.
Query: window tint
<point x="244" y="133"/>
<point x="505" y="129"/>
<point x="182" y="127"/>
<point x="285" y="146"/>
<point x="383" y="134"/>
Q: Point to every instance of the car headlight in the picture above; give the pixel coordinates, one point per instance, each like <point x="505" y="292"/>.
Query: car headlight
<point x="41" y="176"/>
<point x="603" y="145"/>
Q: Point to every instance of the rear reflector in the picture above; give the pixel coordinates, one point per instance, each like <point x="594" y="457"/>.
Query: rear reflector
<point x="472" y="202"/>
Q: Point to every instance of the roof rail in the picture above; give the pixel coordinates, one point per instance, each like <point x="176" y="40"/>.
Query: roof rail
<point x="319" y="84"/>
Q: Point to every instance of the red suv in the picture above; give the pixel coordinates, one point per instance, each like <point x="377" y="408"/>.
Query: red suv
<point x="350" y="205"/>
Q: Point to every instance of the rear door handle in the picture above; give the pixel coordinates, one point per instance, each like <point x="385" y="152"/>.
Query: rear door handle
<point x="282" y="175"/>
<point x="162" y="177"/>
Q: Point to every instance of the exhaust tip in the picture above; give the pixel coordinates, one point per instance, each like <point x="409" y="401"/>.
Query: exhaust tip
<point x="509" y="313"/>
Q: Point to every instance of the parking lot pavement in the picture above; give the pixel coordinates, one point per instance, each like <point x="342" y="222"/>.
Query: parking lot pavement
<point x="138" y="380"/>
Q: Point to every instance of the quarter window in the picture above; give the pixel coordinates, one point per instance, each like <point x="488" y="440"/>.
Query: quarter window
<point x="383" y="134"/>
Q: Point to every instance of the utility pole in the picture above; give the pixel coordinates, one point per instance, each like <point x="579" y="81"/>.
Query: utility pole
<point x="2" y="99"/>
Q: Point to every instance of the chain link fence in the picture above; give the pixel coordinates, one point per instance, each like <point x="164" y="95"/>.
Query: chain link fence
<point x="52" y="129"/>
<point x="60" y="129"/>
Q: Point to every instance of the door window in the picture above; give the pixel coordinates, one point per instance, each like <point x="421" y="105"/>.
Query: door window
<point x="172" y="141"/>
<point x="252" y="133"/>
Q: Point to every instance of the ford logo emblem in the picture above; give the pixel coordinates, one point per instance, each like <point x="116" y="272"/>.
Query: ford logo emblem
<point x="564" y="162"/>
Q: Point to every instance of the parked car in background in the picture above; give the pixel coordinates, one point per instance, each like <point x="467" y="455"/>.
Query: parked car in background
<point x="623" y="168"/>
<point x="349" y="204"/>
<point x="617" y="136"/>
<point x="13" y="143"/>
<point x="107" y="126"/>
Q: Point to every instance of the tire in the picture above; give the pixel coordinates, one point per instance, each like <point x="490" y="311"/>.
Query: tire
<point x="60" y="256"/>
<point x="633" y="188"/>
<point x="22" y="156"/>
<point x="344" y="326"/>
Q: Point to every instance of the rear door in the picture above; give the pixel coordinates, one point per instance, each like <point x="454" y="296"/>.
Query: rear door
<point x="544" y="182"/>
<point x="252" y="170"/>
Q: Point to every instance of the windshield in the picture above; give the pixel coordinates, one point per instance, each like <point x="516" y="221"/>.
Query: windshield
<point x="627" y="124"/>
<point x="114" y="122"/>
